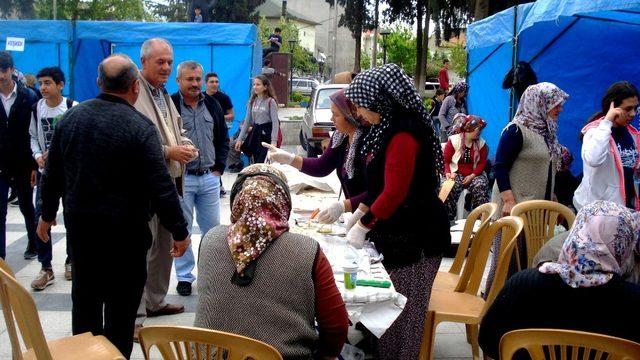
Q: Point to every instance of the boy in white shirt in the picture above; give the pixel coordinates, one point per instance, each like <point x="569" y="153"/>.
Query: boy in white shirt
<point x="45" y="114"/>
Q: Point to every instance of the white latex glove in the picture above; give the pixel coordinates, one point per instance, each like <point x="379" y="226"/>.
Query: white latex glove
<point x="332" y="213"/>
<point x="357" y="235"/>
<point x="353" y="219"/>
<point x="278" y="155"/>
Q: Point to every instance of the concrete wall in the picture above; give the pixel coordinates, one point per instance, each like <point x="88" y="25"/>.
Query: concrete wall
<point x="320" y="11"/>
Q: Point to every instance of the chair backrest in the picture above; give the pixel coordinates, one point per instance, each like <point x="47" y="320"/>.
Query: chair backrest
<point x="511" y="228"/>
<point x="484" y="213"/>
<point x="471" y="277"/>
<point x="540" y="218"/>
<point x="181" y="342"/>
<point x="567" y="344"/>
<point x="18" y="304"/>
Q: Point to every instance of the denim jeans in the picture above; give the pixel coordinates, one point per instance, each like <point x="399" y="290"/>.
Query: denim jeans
<point x="44" y="249"/>
<point x="201" y="193"/>
<point x="22" y="184"/>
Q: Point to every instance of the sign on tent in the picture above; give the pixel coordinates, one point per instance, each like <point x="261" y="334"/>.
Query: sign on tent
<point x="15" y="44"/>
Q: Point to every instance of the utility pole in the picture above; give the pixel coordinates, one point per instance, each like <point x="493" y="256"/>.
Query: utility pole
<point x="284" y="8"/>
<point x="374" y="50"/>
<point x="55" y="9"/>
<point x="334" y="40"/>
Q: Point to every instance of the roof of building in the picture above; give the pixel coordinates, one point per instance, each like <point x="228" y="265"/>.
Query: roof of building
<point x="273" y="9"/>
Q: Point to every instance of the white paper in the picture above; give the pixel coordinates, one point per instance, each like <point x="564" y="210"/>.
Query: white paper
<point x="15" y="44"/>
<point x="378" y="317"/>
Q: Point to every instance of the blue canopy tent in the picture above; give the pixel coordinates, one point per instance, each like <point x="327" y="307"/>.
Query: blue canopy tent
<point x="581" y="46"/>
<point x="47" y="43"/>
<point x="233" y="51"/>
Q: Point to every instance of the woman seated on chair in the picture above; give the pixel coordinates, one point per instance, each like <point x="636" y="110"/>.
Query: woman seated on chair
<point x="465" y="157"/>
<point x="258" y="280"/>
<point x="585" y="289"/>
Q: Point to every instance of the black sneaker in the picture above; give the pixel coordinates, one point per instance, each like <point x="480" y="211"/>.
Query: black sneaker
<point x="30" y="254"/>
<point x="184" y="288"/>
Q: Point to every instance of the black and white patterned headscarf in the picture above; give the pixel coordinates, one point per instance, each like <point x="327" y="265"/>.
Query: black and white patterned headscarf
<point x="377" y="90"/>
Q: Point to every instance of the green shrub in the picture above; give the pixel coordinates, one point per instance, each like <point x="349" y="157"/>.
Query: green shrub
<point x="296" y="97"/>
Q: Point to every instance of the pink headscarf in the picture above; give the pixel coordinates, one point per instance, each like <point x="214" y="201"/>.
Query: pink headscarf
<point x="601" y="243"/>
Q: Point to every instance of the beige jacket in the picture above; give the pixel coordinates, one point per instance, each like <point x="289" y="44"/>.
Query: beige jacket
<point x="171" y="132"/>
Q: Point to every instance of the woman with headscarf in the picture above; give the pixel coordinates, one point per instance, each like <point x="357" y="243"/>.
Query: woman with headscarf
<point x="403" y="216"/>
<point x="465" y="157"/>
<point x="527" y="155"/>
<point x="585" y="289"/>
<point x="259" y="280"/>
<point x="610" y="150"/>
<point x="451" y="105"/>
<point x="341" y="155"/>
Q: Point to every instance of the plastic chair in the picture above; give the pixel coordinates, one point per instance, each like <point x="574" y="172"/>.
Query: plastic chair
<point x="17" y="303"/>
<point x="182" y="342"/>
<point x="567" y="344"/>
<point x="449" y="279"/>
<point x="540" y="219"/>
<point x="466" y="306"/>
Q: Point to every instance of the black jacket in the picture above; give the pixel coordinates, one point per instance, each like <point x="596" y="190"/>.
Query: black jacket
<point x="106" y="163"/>
<point x="15" y="142"/>
<point x="220" y="130"/>
<point x="531" y="299"/>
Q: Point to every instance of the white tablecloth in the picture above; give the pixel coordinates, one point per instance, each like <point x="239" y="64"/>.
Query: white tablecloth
<point x="376" y="308"/>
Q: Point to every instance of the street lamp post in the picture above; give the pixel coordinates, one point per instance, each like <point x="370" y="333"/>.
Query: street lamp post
<point x="384" y="33"/>
<point x="292" y="44"/>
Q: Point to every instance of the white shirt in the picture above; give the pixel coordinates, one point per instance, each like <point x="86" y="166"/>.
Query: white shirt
<point x="7" y="101"/>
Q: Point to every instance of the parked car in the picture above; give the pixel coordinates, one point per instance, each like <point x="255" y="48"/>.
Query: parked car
<point x="304" y="86"/>
<point x="430" y="89"/>
<point x="317" y="125"/>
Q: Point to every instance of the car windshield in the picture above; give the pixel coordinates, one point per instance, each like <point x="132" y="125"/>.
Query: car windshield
<point x="323" y="101"/>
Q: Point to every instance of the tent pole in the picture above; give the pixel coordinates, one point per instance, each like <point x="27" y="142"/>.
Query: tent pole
<point x="514" y="62"/>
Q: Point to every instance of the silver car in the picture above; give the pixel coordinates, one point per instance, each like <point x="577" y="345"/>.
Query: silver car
<point x="317" y="125"/>
<point x="304" y="86"/>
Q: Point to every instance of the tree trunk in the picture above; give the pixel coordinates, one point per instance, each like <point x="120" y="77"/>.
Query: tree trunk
<point x="482" y="9"/>
<point x="419" y="52"/>
<point x="425" y="47"/>
<point x="356" y="66"/>
<point x="374" y="50"/>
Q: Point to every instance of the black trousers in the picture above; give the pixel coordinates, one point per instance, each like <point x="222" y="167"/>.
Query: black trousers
<point x="109" y="272"/>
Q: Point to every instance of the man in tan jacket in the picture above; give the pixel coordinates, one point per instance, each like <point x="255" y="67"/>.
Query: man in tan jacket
<point x="157" y="60"/>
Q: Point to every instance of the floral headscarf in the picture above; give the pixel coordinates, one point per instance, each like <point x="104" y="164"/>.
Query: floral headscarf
<point x="536" y="102"/>
<point x="377" y="90"/>
<point x="600" y="244"/>
<point x="346" y="107"/>
<point x="463" y="123"/>
<point x="260" y="209"/>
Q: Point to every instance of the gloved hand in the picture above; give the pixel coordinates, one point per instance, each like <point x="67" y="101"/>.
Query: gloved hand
<point x="353" y="219"/>
<point x="357" y="235"/>
<point x="332" y="213"/>
<point x="278" y="155"/>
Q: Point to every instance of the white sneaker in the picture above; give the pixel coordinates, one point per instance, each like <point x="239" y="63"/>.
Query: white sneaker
<point x="44" y="279"/>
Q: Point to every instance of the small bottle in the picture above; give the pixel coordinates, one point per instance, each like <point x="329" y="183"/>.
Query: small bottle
<point x="350" y="276"/>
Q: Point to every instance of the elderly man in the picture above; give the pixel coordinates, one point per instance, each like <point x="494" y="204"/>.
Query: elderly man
<point x="157" y="58"/>
<point x="108" y="202"/>
<point x="204" y="123"/>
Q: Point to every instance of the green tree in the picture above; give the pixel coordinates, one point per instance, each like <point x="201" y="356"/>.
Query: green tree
<point x="23" y="9"/>
<point x="459" y="60"/>
<point x="303" y="60"/>
<point x="93" y="10"/>
<point x="243" y="11"/>
<point x="401" y="48"/>
<point x="169" y="10"/>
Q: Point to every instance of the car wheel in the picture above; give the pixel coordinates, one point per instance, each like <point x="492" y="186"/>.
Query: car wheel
<point x="303" y="141"/>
